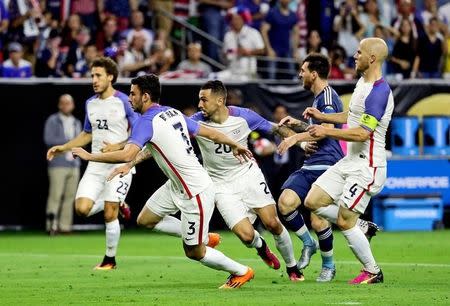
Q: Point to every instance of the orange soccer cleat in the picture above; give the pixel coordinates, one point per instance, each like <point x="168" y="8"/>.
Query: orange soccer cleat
<point x="213" y="240"/>
<point x="237" y="281"/>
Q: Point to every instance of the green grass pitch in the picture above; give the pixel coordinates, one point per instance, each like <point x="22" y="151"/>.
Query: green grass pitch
<point x="39" y="270"/>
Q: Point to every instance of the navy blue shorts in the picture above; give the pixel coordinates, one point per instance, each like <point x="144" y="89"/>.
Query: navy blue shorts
<point x="301" y="181"/>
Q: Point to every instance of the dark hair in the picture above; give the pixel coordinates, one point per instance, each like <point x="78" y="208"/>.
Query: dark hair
<point x="149" y="83"/>
<point x="217" y="88"/>
<point x="109" y="65"/>
<point x="319" y="63"/>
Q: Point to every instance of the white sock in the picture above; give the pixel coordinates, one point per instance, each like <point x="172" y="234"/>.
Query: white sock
<point x="284" y="245"/>
<point x="169" y="225"/>
<point x="112" y="237"/>
<point x="361" y="248"/>
<point x="98" y="206"/>
<point x="218" y="261"/>
<point x="257" y="242"/>
<point x="329" y="212"/>
<point x="363" y="225"/>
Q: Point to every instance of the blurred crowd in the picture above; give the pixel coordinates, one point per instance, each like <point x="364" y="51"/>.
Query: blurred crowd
<point x="253" y="38"/>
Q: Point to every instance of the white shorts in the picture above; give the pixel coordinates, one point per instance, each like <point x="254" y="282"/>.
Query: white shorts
<point x="195" y="212"/>
<point x="93" y="184"/>
<point x="237" y="199"/>
<point x="351" y="182"/>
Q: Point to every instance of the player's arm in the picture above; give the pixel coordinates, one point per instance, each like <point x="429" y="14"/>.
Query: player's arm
<point x="110" y="147"/>
<point x="127" y="154"/>
<point x="356" y="134"/>
<point x="239" y="151"/>
<point x="336" y="118"/>
<point x="144" y="154"/>
<point x="295" y="124"/>
<point x="81" y="140"/>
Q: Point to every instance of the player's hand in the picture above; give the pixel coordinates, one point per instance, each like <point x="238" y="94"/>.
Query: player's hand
<point x="110" y="147"/>
<point x="121" y="171"/>
<point x="242" y="154"/>
<point x="54" y="151"/>
<point x="288" y="121"/>
<point x="316" y="130"/>
<point x="286" y="144"/>
<point x="310" y="148"/>
<point x="81" y="153"/>
<point x="312" y="112"/>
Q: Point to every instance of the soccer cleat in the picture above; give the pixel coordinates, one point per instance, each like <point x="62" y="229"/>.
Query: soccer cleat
<point x="125" y="211"/>
<point x="237" y="281"/>
<point x="267" y="256"/>
<point x="108" y="263"/>
<point x="307" y="253"/>
<point x="372" y="229"/>
<point x="295" y="275"/>
<point x="213" y="240"/>
<point x="367" y="278"/>
<point x="326" y="275"/>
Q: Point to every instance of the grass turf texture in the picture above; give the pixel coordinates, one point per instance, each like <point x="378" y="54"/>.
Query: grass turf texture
<point x="39" y="270"/>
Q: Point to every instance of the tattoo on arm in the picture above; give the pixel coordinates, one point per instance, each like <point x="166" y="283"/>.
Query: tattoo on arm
<point x="283" y="131"/>
<point x="301" y="126"/>
<point x="143" y="155"/>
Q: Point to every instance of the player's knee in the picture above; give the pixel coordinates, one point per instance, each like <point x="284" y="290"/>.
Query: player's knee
<point x="82" y="209"/>
<point x="246" y="235"/>
<point x="273" y="225"/>
<point x="318" y="224"/>
<point x="311" y="203"/>
<point x="287" y="203"/>
<point x="110" y="215"/>
<point x="144" y="222"/>
<point x="342" y="223"/>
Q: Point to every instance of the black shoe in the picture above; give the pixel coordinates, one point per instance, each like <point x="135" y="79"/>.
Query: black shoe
<point x="372" y="229"/>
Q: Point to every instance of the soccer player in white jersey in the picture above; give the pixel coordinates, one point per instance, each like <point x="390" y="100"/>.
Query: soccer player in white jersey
<point x="165" y="131"/>
<point x="241" y="189"/>
<point x="353" y="180"/>
<point x="108" y="118"/>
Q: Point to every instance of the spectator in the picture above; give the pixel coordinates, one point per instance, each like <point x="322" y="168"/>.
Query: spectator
<point x="280" y="34"/>
<point x="75" y="63"/>
<point x="213" y="23"/>
<point x="427" y="63"/>
<point x="109" y="37"/>
<point x="163" y="22"/>
<point x="349" y="28"/>
<point x="314" y="44"/>
<point x="160" y="59"/>
<point x="241" y="45"/>
<point x="121" y="9"/>
<point x="258" y="9"/>
<point x="63" y="170"/>
<point x="406" y="11"/>
<point x="339" y="68"/>
<point x="71" y="30"/>
<point x="135" y="61"/>
<point x="88" y="12"/>
<point x="193" y="64"/>
<point x="404" y="52"/>
<point x="137" y="23"/>
<point x="4" y="23"/>
<point x="431" y="10"/>
<point x="371" y="18"/>
<point x="50" y="60"/>
<point x="16" y="66"/>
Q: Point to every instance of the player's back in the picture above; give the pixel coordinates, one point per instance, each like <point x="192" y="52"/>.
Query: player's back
<point x="218" y="159"/>
<point x="167" y="133"/>
<point x="108" y="119"/>
<point x="371" y="106"/>
<point x="329" y="150"/>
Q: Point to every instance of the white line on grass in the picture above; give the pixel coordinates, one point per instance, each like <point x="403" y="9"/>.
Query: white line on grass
<point x="153" y="257"/>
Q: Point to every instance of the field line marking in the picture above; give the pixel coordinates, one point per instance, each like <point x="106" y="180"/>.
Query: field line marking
<point x="153" y="257"/>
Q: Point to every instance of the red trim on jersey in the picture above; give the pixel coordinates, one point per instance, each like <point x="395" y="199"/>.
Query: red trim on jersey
<point x="367" y="189"/>
<point x="371" y="150"/>
<point x="174" y="171"/>
<point x="200" y="208"/>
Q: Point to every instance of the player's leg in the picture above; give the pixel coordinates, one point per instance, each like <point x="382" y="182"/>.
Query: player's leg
<point x="195" y="216"/>
<point x="283" y="242"/>
<point x="359" y="188"/>
<point x="237" y="216"/>
<point x="325" y="235"/>
<point x="89" y="190"/>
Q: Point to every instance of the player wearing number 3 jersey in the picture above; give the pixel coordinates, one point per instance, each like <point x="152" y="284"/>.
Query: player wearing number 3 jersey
<point x="165" y="131"/>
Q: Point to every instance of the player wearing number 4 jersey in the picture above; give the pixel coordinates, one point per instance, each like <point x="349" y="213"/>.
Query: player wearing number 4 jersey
<point x="362" y="172"/>
<point x="241" y="189"/>
<point x="165" y="131"/>
<point x="108" y="118"/>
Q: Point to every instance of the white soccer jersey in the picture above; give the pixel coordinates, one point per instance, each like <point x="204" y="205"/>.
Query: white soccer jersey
<point x="218" y="159"/>
<point x="108" y="119"/>
<point x="167" y="131"/>
<point x="371" y="107"/>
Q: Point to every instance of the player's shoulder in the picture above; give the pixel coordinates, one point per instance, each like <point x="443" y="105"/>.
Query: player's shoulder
<point x="92" y="98"/>
<point x="381" y="85"/>
<point x="198" y="116"/>
<point x="121" y="95"/>
<point x="237" y="111"/>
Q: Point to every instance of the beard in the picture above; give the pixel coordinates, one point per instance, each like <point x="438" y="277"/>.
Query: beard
<point x="306" y="85"/>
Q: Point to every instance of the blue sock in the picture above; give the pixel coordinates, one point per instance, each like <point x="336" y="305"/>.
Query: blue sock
<point x="326" y="247"/>
<point x="295" y="223"/>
